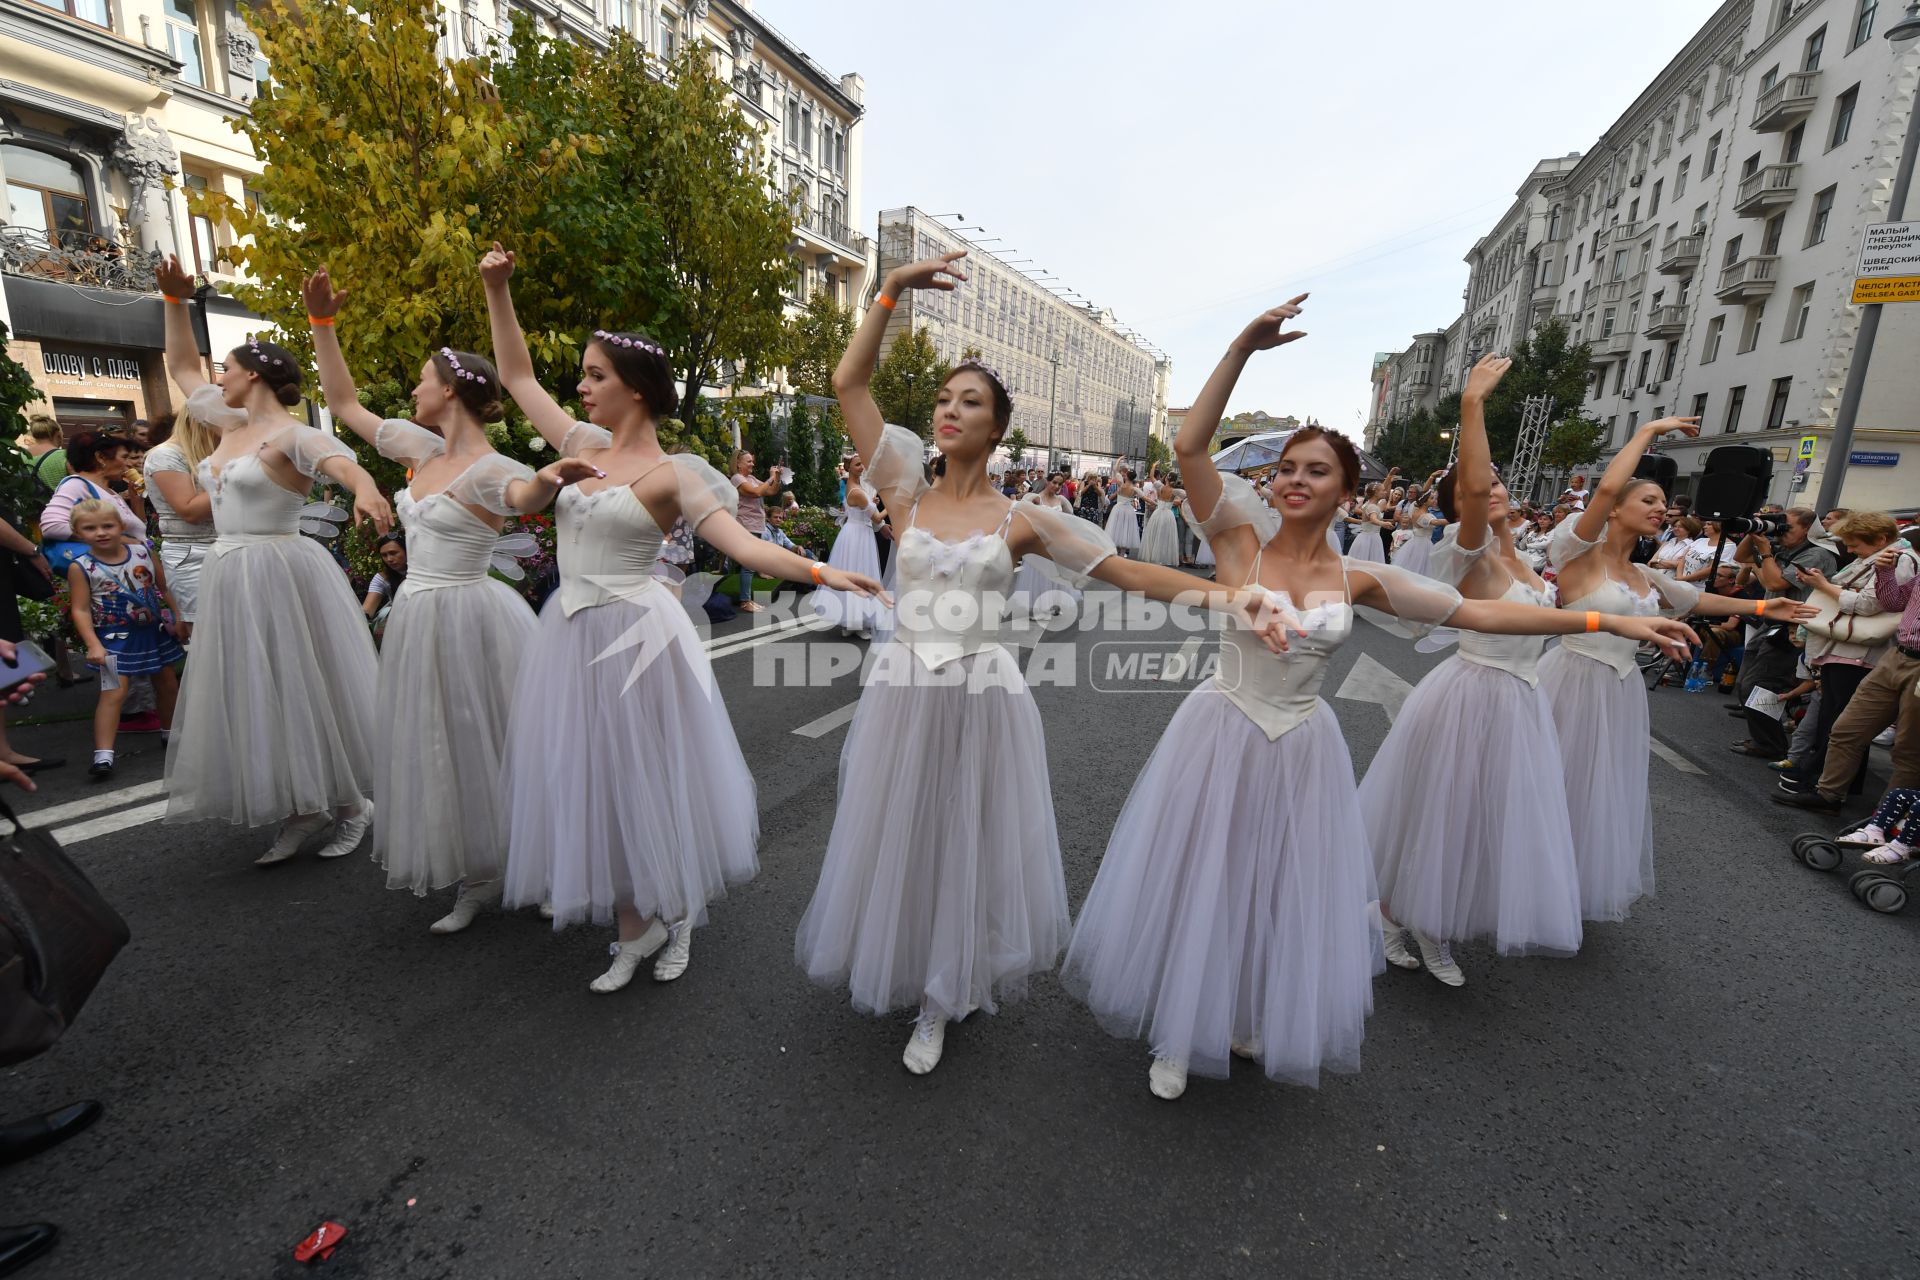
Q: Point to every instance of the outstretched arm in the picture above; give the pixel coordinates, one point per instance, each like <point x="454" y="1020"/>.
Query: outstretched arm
<point x="336" y="382"/>
<point x="853" y="376"/>
<point x="1473" y="477"/>
<point x="1606" y="494"/>
<point x="183" y="356"/>
<point x="1251" y="605"/>
<point x="1193" y="446"/>
<point x="510" y="352"/>
<point x="529" y="496"/>
<point x="730" y="539"/>
<point x="368" y="504"/>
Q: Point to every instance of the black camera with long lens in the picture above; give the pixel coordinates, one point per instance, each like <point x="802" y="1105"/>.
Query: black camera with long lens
<point x="1765" y="526"/>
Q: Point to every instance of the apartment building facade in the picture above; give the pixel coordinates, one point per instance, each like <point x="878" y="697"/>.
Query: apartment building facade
<point x="1080" y="385"/>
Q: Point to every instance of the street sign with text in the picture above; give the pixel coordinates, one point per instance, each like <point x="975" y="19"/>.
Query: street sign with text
<point x="1874" y="459"/>
<point x="1889" y="264"/>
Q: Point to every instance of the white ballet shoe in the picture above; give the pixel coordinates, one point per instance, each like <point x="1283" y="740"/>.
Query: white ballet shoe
<point x="1438" y="958"/>
<point x="1248" y="1049"/>
<point x="546" y="909"/>
<point x="348" y="833"/>
<point x="673" y="961"/>
<point x="466" y="905"/>
<point x="1399" y="946"/>
<point x="627" y="957"/>
<point x="928" y="1041"/>
<point x="1167" y="1078"/>
<point x="294" y="833"/>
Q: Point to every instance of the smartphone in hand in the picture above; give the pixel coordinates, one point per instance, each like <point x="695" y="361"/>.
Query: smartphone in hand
<point x="29" y="660"/>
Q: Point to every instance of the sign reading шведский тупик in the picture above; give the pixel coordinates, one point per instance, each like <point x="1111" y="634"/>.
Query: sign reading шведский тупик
<point x="1889" y="264"/>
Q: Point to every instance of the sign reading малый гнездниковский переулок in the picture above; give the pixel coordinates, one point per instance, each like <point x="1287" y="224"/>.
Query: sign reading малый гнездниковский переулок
<point x="1889" y="264"/>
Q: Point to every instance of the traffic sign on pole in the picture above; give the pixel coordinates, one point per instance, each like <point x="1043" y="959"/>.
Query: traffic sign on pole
<point x="1889" y="264"/>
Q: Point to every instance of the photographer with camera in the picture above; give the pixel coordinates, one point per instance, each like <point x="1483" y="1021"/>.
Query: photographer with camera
<point x="1771" y="657"/>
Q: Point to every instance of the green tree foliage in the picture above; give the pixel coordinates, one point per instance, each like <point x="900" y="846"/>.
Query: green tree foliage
<point x="1571" y="444"/>
<point x="1158" y="454"/>
<point x="907" y="381"/>
<point x="818" y="337"/>
<point x="1549" y="363"/>
<point x="1413" y="444"/>
<point x="20" y="494"/>
<point x="1017" y="445"/>
<point x="833" y="447"/>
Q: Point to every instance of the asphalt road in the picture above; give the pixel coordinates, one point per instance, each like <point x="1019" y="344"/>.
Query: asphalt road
<point x="1718" y="1087"/>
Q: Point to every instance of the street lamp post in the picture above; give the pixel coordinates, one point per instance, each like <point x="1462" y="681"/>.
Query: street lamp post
<point x="1840" y="451"/>
<point x="1133" y="425"/>
<point x="1053" y="399"/>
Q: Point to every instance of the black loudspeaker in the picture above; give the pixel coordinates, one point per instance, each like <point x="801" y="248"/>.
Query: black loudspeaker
<point x="1659" y="468"/>
<point x="1734" y="484"/>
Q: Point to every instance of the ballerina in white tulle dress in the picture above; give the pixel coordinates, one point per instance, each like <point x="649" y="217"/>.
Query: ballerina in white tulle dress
<point x="1367" y="543"/>
<point x="1465" y="808"/>
<point x="1123" y="518"/>
<point x="454" y="641"/>
<point x="627" y="796"/>
<point x="857" y="550"/>
<point x="1160" y="540"/>
<point x="275" y="721"/>
<point x="1038" y="590"/>
<point x="1593" y="684"/>
<point x="1231" y="913"/>
<point x="942" y="889"/>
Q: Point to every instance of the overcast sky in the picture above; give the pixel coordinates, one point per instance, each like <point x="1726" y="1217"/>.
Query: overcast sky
<point x="1190" y="164"/>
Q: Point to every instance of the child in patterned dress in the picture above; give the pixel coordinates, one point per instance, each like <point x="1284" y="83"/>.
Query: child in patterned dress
<point x="125" y="617"/>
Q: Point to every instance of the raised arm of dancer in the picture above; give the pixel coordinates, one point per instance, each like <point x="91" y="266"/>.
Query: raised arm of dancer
<point x="1473" y="477"/>
<point x="183" y="354"/>
<point x="853" y="376"/>
<point x="1194" y="445"/>
<point x="368" y="504"/>
<point x="510" y="352"/>
<point x="336" y="382"/>
<point x="1589" y="523"/>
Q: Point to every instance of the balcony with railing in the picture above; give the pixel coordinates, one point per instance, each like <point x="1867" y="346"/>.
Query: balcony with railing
<point x="1786" y="102"/>
<point x="1624" y="232"/>
<point x="1613" y="291"/>
<point x="833" y="231"/>
<point x="1681" y="255"/>
<point x="1665" y="323"/>
<point x="78" y="258"/>
<point x="1751" y="279"/>
<point x="1615" y="346"/>
<point x="1636" y="284"/>
<point x="1770" y="187"/>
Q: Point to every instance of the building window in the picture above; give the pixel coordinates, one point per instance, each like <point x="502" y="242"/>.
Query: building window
<point x="1822" y="216"/>
<point x="1750" y="330"/>
<point x="1776" y="226"/>
<point x="1620" y="377"/>
<point x="1710" y="350"/>
<point x="205" y="259"/>
<point x="1606" y="323"/>
<point x="1666" y="366"/>
<point x="1680" y="178"/>
<point x="1751" y="167"/>
<point x="94" y="11"/>
<point x="1640" y="374"/>
<point x="669" y="32"/>
<point x="1815" y="46"/>
<point x="1733" y="252"/>
<point x="1863" y="23"/>
<point x="1736" y="401"/>
<point x="1700" y="406"/>
<point x="1799" y="312"/>
<point x="1653" y="202"/>
<point x="1713" y="156"/>
<point x="806" y="132"/>
<point x="793" y="123"/>
<point x="1777" y="406"/>
<point x="45" y="192"/>
<point x="183" y="40"/>
<point x="1843" y="117"/>
<point x="1790" y="149"/>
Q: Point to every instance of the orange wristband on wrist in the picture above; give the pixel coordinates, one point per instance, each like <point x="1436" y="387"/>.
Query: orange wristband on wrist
<point x="818" y="568"/>
<point x="320" y="322"/>
<point x="178" y="302"/>
<point x="1593" y="620"/>
<point x="883" y="300"/>
<point x="1760" y="608"/>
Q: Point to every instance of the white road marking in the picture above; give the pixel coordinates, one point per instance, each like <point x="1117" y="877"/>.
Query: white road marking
<point x="827" y="723"/>
<point x="1185" y="661"/>
<point x="1673" y="757"/>
<point x="97" y="803"/>
<point x="791" y="629"/>
<point x="1369" y="681"/>
<point x="110" y="823"/>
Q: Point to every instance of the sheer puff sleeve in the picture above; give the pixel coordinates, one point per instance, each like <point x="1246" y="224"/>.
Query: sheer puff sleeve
<point x="206" y="405"/>
<point x="585" y="436"/>
<point x="1677" y="598"/>
<point x="897" y="469"/>
<point x="1452" y="562"/>
<point x="401" y="441"/>
<point x="1565" y="545"/>
<point x="485" y="483"/>
<point x="307" y="448"/>
<point x="1238" y="505"/>
<point x="1418" y="604"/>
<point x="1075" y="546"/>
<point x="703" y="491"/>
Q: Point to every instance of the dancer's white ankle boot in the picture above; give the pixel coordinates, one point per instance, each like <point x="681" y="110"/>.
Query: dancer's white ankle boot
<point x="928" y="1041"/>
<point x="466" y="905"/>
<point x="1167" y="1078"/>
<point x="1438" y="957"/>
<point x="673" y="961"/>
<point x="627" y="957"/>
<point x="294" y="833"/>
<point x="348" y="831"/>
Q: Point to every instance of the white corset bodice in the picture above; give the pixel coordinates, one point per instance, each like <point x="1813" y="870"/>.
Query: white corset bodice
<point x="1279" y="691"/>
<point x="607" y="545"/>
<point x="1617" y="652"/>
<point x="949" y="594"/>
<point x="447" y="545"/>
<point x="1515" y="655"/>
<point x="248" y="503"/>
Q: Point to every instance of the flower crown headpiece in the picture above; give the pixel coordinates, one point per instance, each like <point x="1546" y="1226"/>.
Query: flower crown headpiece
<point x="253" y="345"/>
<point x="453" y="362"/>
<point x="622" y="340"/>
<point x="975" y="362"/>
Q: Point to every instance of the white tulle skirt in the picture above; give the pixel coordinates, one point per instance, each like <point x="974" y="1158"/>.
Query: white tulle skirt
<point x="184" y="560"/>
<point x="1335" y="540"/>
<point x="1367" y="545"/>
<point x="1123" y="526"/>
<point x="622" y="793"/>
<point x="448" y="667"/>
<point x="1038" y="591"/>
<point x="1415" y="553"/>
<point x="1233" y="901"/>
<point x="1467" y="817"/>
<point x="1160" y="541"/>
<point x="854" y="551"/>
<point x="942" y="884"/>
<point x="1602" y="724"/>
<point x="1203" y="555"/>
<point x="276" y="711"/>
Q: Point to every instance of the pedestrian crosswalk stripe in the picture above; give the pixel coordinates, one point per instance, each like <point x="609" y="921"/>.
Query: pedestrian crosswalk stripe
<point x="97" y="803"/>
<point x="107" y="824"/>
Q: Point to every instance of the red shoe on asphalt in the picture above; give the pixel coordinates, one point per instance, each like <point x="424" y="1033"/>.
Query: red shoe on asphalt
<point x="144" y="722"/>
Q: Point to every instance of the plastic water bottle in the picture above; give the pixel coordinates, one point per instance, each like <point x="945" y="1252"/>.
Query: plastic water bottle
<point x="1697" y="676"/>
